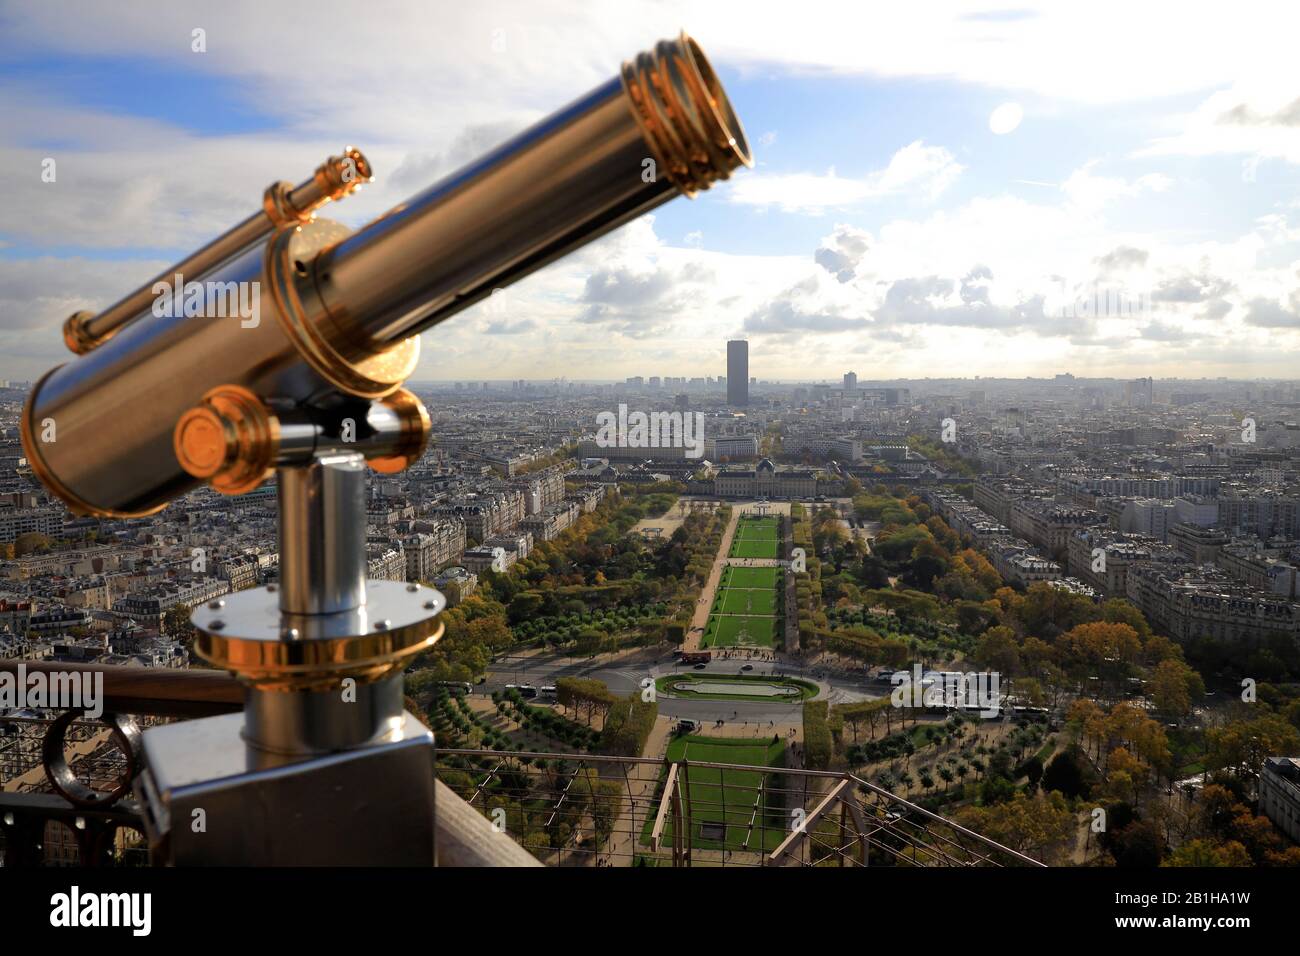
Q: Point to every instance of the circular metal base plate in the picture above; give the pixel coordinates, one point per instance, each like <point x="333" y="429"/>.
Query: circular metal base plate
<point x="246" y="632"/>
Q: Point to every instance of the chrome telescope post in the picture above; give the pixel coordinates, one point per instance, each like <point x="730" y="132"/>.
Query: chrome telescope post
<point x="322" y="534"/>
<point x="324" y="735"/>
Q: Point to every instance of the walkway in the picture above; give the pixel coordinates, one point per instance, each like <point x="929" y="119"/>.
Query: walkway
<point x="700" y="619"/>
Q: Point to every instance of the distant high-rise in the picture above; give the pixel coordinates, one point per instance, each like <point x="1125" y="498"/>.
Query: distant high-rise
<point x="738" y="372"/>
<point x="850" y="381"/>
<point x="1139" y="393"/>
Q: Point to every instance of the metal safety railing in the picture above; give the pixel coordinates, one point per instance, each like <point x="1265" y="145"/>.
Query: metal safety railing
<point x="65" y="799"/>
<point x="597" y="810"/>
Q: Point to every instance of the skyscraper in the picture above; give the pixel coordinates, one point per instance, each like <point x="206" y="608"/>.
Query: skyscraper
<point x="850" y="381"/>
<point x="737" y="372"/>
<point x="1139" y="393"/>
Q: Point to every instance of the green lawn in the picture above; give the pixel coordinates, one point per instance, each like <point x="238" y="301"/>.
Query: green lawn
<point x="757" y="527"/>
<point x="753" y="548"/>
<point x="738" y="631"/>
<point x="745" y="601"/>
<point x="735" y="577"/>
<point x="730" y="797"/>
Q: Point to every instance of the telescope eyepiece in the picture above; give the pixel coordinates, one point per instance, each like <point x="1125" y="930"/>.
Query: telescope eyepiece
<point x="685" y="115"/>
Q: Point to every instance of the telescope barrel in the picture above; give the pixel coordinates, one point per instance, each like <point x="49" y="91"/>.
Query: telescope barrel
<point x="312" y="310"/>
<point x="664" y="126"/>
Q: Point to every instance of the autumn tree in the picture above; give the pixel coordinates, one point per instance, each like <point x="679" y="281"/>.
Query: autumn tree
<point x="1042" y="826"/>
<point x="1206" y="853"/>
<point x="997" y="651"/>
<point x="1241" y="746"/>
<point x="1174" y="686"/>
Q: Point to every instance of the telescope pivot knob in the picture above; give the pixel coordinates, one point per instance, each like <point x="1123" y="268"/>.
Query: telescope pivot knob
<point x="414" y="427"/>
<point x="230" y="439"/>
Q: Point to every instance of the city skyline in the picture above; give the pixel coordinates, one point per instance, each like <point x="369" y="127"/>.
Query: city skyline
<point x="954" y="526"/>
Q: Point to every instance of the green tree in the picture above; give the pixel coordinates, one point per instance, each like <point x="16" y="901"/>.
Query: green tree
<point x="1065" y="773"/>
<point x="176" y="625"/>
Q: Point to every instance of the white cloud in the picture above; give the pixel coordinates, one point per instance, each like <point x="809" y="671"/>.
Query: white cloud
<point x="1248" y="119"/>
<point x="1088" y="192"/>
<point x="916" y="169"/>
<point x="843" y="251"/>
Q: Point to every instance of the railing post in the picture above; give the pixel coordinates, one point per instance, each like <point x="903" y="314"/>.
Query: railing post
<point x="844" y="812"/>
<point x="679" y="838"/>
<point x="688" y="825"/>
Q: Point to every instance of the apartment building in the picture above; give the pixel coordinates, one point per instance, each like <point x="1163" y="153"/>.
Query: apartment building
<point x="20" y="521"/>
<point x="384" y="513"/>
<point x="58" y="619"/>
<point x="83" y="561"/>
<point x="995" y="496"/>
<point x="964" y="518"/>
<point x="486" y="514"/>
<point x="434" y="546"/>
<point x="1049" y="525"/>
<point x="1101" y="558"/>
<point x="552" y="522"/>
<point x="385" y="561"/>
<point x="148" y="605"/>
<point x="588" y="497"/>
<point x="814" y="445"/>
<point x="1205" y="602"/>
<point x="1148" y="516"/>
<point x="1260" y="565"/>
<point x="1264" y="514"/>
<point x="1019" y="564"/>
<point x="518" y="542"/>
<point x="91" y="593"/>
<point x="488" y="557"/>
<point x="14" y="615"/>
<point x="1199" y="545"/>
<point x="1140" y="486"/>
<point x="731" y="448"/>
<point x="465" y="580"/>
<point x="240" y="571"/>
<point x="541" y="489"/>
<point x="1279" y="794"/>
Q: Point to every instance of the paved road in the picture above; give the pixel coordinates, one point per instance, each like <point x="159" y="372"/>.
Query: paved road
<point x="700" y="619"/>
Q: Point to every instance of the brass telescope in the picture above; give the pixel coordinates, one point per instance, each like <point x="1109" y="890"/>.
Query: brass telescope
<point x="345" y="309"/>
<point x="282" y="346"/>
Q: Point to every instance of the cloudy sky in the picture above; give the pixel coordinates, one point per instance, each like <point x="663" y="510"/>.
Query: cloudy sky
<point x="941" y="189"/>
